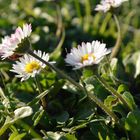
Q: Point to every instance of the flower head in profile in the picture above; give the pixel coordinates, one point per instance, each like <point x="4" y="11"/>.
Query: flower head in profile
<point x="28" y="66"/>
<point x="16" y="44"/>
<point x="106" y="5"/>
<point x="87" y="54"/>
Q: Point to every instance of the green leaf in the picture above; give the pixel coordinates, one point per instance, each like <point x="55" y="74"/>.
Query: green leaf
<point x="47" y="80"/>
<point x="84" y="110"/>
<point x="62" y="117"/>
<point x="101" y="131"/>
<point x="113" y="64"/>
<point x="132" y="124"/>
<point x="37" y="117"/>
<point x="37" y="98"/>
<point x="68" y="137"/>
<point x="87" y="72"/>
<point x="131" y="62"/>
<point x="57" y="86"/>
<point x="116" y="70"/>
<point x="60" y="136"/>
<point x="122" y="88"/>
<point x="6" y="125"/>
<point x="111" y="101"/>
<point x="129" y="99"/>
<point x="54" y="135"/>
<point x="16" y="136"/>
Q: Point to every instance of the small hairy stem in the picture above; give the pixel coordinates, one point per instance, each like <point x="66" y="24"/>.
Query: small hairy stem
<point x="61" y="73"/>
<point x="94" y="98"/>
<point x="2" y="78"/>
<point x="84" y="88"/>
<point x="43" y="100"/>
<point x="119" y="39"/>
<point x="59" y="21"/>
<point x="111" y="90"/>
<point x="55" y="53"/>
<point x="104" y="108"/>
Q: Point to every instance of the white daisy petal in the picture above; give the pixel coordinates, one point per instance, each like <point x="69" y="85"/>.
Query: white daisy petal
<point x="86" y="54"/>
<point x="10" y="44"/>
<point x="28" y="66"/>
<point x="106" y="5"/>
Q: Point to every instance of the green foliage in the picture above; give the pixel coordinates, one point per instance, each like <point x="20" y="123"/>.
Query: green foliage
<point x="129" y="99"/>
<point x="132" y="124"/>
<point x="16" y="136"/>
<point x="57" y="26"/>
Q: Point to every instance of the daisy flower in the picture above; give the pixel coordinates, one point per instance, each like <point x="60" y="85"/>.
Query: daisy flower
<point x="87" y="54"/>
<point x="28" y="66"/>
<point x="17" y="43"/>
<point x="106" y="5"/>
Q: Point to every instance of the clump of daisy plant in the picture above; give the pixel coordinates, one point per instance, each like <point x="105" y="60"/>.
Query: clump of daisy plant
<point x="28" y="66"/>
<point x="87" y="54"/>
<point x="17" y="44"/>
<point x="106" y="5"/>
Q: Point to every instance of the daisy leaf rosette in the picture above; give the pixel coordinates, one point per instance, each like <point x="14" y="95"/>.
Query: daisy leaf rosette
<point x="16" y="44"/>
<point x="87" y="54"/>
<point x="106" y="5"/>
<point x="28" y="66"/>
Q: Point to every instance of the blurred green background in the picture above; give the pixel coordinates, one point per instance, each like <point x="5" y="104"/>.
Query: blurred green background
<point x="59" y="25"/>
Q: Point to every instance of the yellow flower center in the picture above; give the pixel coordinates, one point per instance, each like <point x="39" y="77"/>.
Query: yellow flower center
<point x="30" y="67"/>
<point x="86" y="57"/>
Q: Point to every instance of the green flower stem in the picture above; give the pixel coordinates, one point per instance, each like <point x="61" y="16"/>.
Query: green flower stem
<point x="59" y="21"/>
<point x="61" y="73"/>
<point x="94" y="98"/>
<point x="104" y="108"/>
<point x="43" y="100"/>
<point x="84" y="88"/>
<point x="2" y="78"/>
<point x="111" y="90"/>
<point x="85" y="91"/>
<point x="55" y="53"/>
<point x="29" y="129"/>
<point x="119" y="39"/>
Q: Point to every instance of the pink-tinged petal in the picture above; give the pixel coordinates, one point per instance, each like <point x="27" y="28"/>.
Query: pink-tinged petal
<point x="14" y="40"/>
<point x="19" y="33"/>
<point x="10" y="43"/>
<point x="27" y="30"/>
